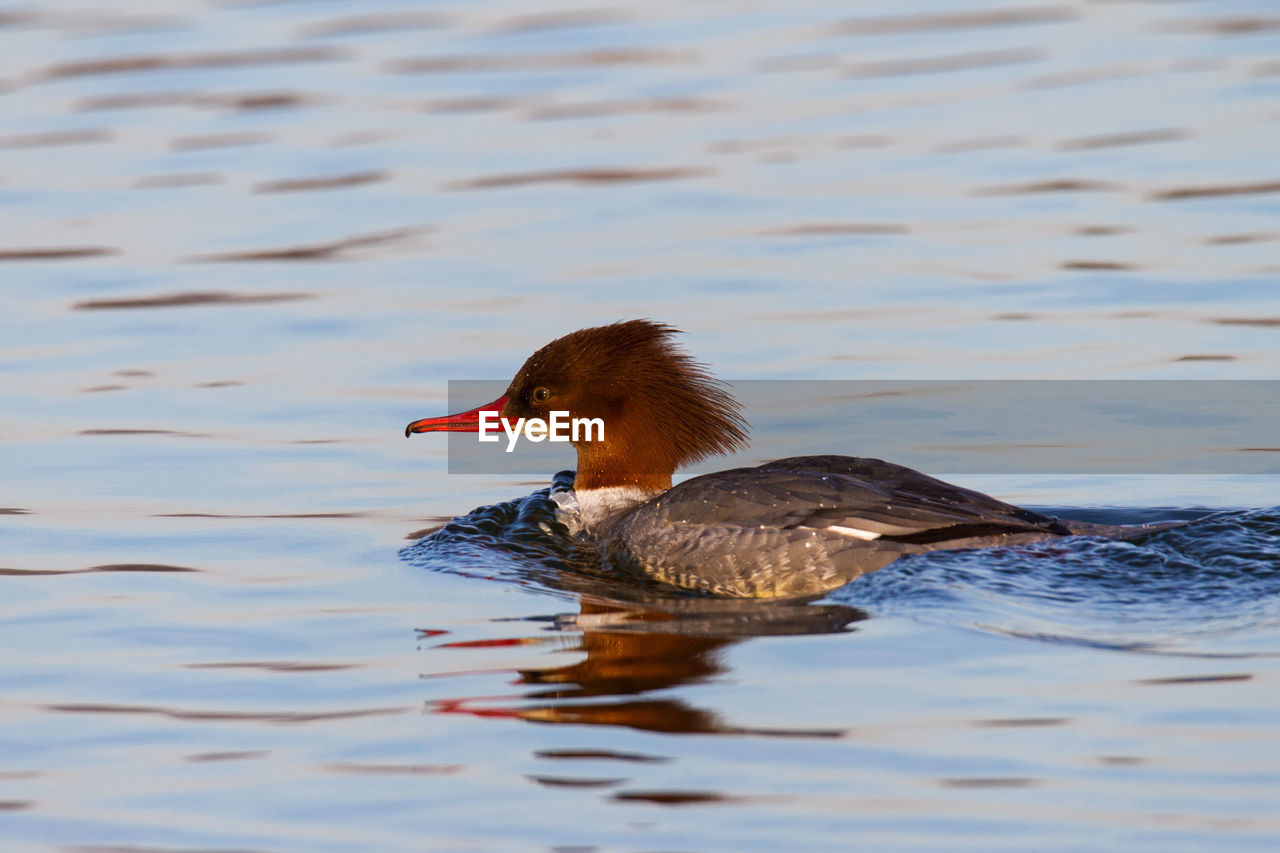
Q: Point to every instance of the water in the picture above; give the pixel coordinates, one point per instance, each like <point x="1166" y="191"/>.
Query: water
<point x="245" y="243"/>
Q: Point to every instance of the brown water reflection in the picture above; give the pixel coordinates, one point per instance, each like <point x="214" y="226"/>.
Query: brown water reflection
<point x="334" y="182"/>
<point x="596" y="109"/>
<point x="990" y="782"/>
<point x="631" y="652"/>
<point x="366" y="24"/>
<point x="1247" y="321"/>
<point x="1097" y="266"/>
<point x="333" y="250"/>
<point x="540" y="62"/>
<point x="472" y="104"/>
<point x="1182" y="193"/>
<point x="1236" y="239"/>
<point x="63" y="253"/>
<point x="219" y="140"/>
<point x="1060" y="185"/>
<point x="580" y="176"/>
<point x="1226" y="26"/>
<point x="967" y="19"/>
<point x="1198" y="679"/>
<point x="62" y="137"/>
<point x="678" y="798"/>
<point x="599" y="755"/>
<point x="178" y="180"/>
<point x="1117" y="140"/>
<point x="227" y="755"/>
<point x="944" y="64"/>
<point x="174" y="300"/>
<point x="114" y="567"/>
<point x="136" y="100"/>
<point x="162" y="62"/>
<point x="983" y="143"/>
<point x="575" y="782"/>
<point x="1103" y="230"/>
<point x="562" y="20"/>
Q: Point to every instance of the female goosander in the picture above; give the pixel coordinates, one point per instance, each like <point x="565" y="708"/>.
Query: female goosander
<point x="798" y="526"/>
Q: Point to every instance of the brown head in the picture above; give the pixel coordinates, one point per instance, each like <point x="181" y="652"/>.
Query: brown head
<point x="661" y="409"/>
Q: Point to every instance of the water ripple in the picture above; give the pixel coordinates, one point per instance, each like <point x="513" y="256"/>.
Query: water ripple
<point x="589" y="177"/>
<point x="956" y="20"/>
<point x="175" y="300"/>
<point x="228" y="59"/>
<point x="1215" y="577"/>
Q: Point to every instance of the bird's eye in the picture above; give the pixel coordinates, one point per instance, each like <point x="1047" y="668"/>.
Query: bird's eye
<point x="541" y="394"/>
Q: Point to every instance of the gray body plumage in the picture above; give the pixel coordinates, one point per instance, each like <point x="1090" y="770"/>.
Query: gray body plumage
<point x="805" y="525"/>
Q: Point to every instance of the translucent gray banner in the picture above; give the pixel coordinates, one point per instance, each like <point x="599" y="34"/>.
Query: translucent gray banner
<point x="958" y="426"/>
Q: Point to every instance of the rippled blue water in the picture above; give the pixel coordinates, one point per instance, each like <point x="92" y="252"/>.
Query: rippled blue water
<point x="244" y="243"/>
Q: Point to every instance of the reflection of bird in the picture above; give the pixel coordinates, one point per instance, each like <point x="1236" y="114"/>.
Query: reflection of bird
<point x="793" y="527"/>
<point x="631" y="652"/>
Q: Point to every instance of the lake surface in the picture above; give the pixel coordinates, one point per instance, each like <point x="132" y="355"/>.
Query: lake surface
<point x="244" y="243"/>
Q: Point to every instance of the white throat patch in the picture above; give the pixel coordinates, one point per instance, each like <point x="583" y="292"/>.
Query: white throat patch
<point x="598" y="506"/>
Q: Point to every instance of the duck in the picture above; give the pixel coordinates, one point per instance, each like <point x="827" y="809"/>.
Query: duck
<point x="793" y="527"/>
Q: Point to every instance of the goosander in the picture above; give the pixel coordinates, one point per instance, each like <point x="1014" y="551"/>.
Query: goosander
<point x="794" y="527"/>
